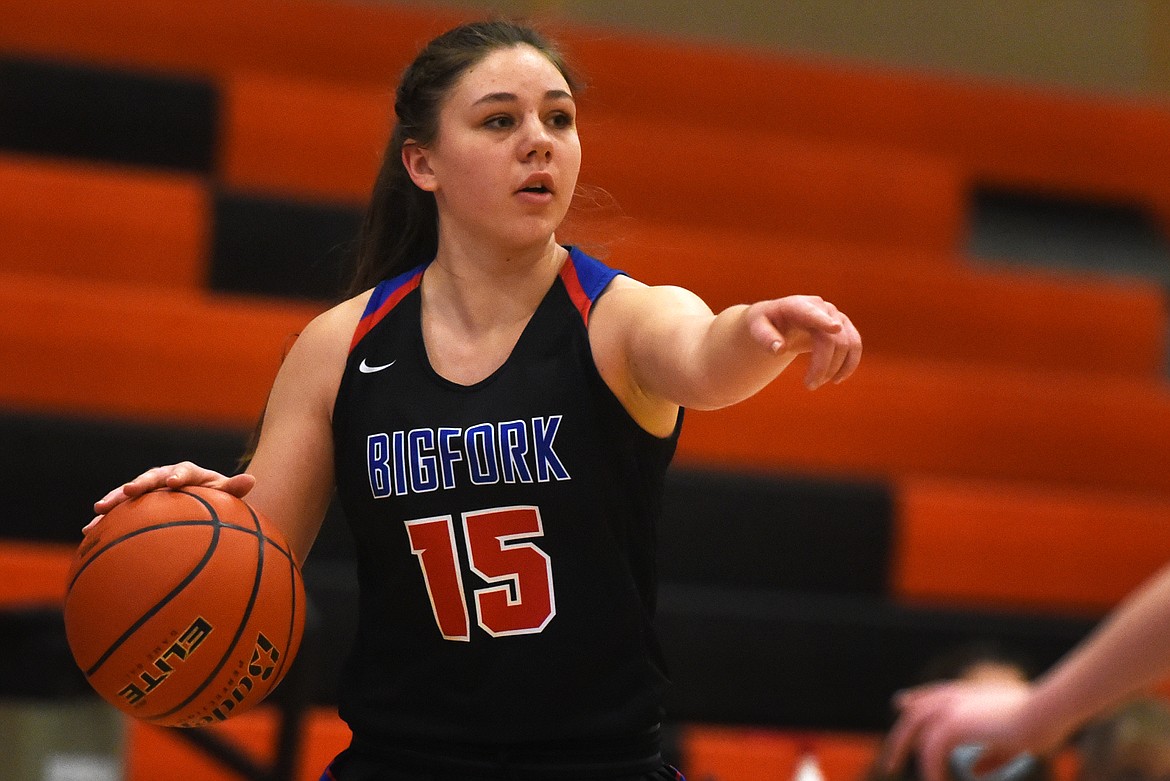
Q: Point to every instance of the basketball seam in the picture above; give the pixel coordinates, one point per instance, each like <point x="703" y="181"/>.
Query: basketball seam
<point x="129" y="536"/>
<point x="262" y="539"/>
<point x="161" y="603"/>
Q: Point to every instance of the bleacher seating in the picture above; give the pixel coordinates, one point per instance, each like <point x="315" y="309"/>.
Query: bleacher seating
<point x="996" y="467"/>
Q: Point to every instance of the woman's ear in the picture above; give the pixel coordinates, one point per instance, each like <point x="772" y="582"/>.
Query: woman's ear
<point x="416" y="160"/>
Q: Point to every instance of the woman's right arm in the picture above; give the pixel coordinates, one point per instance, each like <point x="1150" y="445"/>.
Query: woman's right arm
<point x="290" y="477"/>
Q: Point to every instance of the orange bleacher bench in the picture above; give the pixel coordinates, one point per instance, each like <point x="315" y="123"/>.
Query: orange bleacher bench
<point x="1017" y="547"/>
<point x="111" y="350"/>
<point x="33" y="573"/>
<point x="102" y="222"/>
<point x="897" y="417"/>
<point x="1110" y="148"/>
<point x="107" y="350"/>
<point x="693" y="175"/>
<point x="314" y="38"/>
<point x="303" y="138"/>
<point x="918" y="304"/>
<point x="995" y="133"/>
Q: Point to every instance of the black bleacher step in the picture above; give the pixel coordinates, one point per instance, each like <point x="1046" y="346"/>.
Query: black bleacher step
<point x="55" y="467"/>
<point x="1020" y="227"/>
<point x="74" y="110"/>
<point x="815" y="661"/>
<point x="35" y="661"/>
<point x="775" y="531"/>
<point x="271" y="246"/>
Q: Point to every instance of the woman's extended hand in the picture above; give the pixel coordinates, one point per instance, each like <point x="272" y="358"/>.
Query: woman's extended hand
<point x="801" y="324"/>
<point x="171" y="476"/>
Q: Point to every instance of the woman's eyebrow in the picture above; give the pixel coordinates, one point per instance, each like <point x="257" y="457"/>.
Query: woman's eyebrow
<point x="511" y="97"/>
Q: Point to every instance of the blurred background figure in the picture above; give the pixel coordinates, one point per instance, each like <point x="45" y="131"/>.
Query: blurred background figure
<point x="1130" y="744"/>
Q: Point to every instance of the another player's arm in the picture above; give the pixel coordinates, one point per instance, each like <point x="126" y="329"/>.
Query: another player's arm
<point x="657" y="344"/>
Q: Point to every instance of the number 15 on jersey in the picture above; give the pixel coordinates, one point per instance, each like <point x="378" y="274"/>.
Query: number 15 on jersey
<point x="519" y="599"/>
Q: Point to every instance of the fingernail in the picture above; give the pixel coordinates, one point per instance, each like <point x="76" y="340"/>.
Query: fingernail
<point x="776" y="346"/>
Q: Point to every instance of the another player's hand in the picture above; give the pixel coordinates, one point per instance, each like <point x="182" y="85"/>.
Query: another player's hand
<point x="808" y="324"/>
<point x="934" y="719"/>
<point x="171" y="476"/>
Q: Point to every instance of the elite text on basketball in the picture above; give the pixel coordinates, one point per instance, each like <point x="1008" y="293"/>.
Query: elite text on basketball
<point x="163" y="665"/>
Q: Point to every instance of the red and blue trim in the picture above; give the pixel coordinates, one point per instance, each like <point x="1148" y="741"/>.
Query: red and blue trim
<point x="384" y="298"/>
<point x="584" y="278"/>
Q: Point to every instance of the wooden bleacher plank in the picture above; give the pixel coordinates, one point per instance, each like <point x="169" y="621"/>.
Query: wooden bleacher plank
<point x="106" y="350"/>
<point x="917" y="305"/>
<point x="99" y="222"/>
<point x="697" y="176"/>
<point x="33" y="573"/>
<point x="898" y="418"/>
<point x="112" y="350"/>
<point x="316" y="38"/>
<point x="996" y="133"/>
<point x="303" y="137"/>
<point x="1025" y="547"/>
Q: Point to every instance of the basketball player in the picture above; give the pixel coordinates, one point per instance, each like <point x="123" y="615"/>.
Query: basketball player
<point x="1126" y="654"/>
<point x="497" y="415"/>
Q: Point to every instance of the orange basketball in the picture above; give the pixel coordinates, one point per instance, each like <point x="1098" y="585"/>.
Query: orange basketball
<point x="184" y="607"/>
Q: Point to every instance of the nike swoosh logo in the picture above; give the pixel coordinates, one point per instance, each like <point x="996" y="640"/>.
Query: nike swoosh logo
<point x="365" y="368"/>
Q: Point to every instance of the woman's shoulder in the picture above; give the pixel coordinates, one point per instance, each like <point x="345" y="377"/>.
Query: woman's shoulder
<point x="330" y="332"/>
<point x="339" y="320"/>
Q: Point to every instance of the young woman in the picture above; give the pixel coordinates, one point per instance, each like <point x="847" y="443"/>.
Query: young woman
<point x="496" y="413"/>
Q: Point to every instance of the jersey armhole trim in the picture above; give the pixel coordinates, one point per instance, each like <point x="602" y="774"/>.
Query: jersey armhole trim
<point x="383" y="299"/>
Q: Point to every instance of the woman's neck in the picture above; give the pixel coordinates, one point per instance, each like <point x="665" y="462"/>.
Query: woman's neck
<point x="475" y="307"/>
<point x="480" y="288"/>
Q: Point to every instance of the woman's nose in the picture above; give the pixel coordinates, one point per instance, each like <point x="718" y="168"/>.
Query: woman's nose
<point x="537" y="141"/>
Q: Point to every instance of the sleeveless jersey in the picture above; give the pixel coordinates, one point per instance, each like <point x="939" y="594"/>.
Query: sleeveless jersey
<point x="505" y="533"/>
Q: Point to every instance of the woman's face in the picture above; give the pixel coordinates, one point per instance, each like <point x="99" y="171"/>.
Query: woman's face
<point x="504" y="163"/>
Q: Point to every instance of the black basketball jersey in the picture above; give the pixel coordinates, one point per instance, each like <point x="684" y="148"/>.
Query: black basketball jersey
<point x="505" y="533"/>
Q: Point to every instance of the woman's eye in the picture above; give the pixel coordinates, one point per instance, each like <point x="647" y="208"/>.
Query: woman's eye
<point x="499" y="122"/>
<point x="561" y="120"/>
